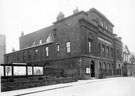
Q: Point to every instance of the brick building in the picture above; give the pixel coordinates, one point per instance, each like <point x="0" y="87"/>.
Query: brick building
<point x="2" y="48"/>
<point x="81" y="45"/>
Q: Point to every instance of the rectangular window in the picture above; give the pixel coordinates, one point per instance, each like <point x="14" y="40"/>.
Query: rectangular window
<point x="118" y="52"/>
<point x="111" y="52"/>
<point x="36" y="53"/>
<point x="47" y="51"/>
<point x="102" y="23"/>
<point x="22" y="55"/>
<point x="87" y="70"/>
<point x="19" y="70"/>
<point x="106" y="26"/>
<point x="1" y="70"/>
<point x="90" y="46"/>
<point x="8" y="70"/>
<point x="103" y="50"/>
<point x="58" y="47"/>
<point x="107" y="51"/>
<point x="100" y="65"/>
<point x="104" y="66"/>
<point x="99" y="49"/>
<point x="29" y="70"/>
<point x="38" y="70"/>
<point x="68" y="47"/>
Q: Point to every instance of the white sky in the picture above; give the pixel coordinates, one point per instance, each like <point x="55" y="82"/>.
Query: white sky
<point x="32" y="15"/>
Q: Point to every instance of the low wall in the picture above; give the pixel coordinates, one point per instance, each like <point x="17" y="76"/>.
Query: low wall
<point x="29" y="82"/>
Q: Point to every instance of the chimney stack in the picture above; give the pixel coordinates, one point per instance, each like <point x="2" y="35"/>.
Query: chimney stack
<point x="60" y="16"/>
<point x="22" y="33"/>
<point x="115" y="35"/>
<point x="13" y="49"/>
<point x="76" y="10"/>
<point x="119" y="38"/>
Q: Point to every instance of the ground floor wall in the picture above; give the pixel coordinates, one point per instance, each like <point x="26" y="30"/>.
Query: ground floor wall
<point x="128" y="69"/>
<point x="84" y="67"/>
<point x="99" y="68"/>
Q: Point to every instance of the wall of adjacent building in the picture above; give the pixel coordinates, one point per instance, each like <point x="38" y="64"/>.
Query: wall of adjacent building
<point x="2" y="48"/>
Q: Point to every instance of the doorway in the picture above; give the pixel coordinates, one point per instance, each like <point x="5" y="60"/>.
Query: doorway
<point x="92" y="66"/>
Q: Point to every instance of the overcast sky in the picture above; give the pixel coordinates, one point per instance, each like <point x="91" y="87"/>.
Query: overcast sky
<point x="32" y="15"/>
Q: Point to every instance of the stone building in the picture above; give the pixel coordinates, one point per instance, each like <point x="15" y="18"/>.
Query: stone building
<point x="126" y="54"/>
<point x="2" y="48"/>
<point x="81" y="45"/>
<point x="128" y="62"/>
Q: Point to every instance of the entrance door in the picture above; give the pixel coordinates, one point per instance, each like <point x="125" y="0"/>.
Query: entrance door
<point x="92" y="69"/>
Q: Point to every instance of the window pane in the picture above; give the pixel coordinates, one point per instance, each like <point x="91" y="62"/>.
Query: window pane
<point x="40" y="42"/>
<point x="8" y="70"/>
<point x="68" y="44"/>
<point x="47" y="51"/>
<point x="29" y="70"/>
<point x="58" y="47"/>
<point x="36" y="50"/>
<point x="38" y="70"/>
<point x="1" y="70"/>
<point x="88" y="70"/>
<point x="19" y="70"/>
<point x="68" y="47"/>
<point x="90" y="46"/>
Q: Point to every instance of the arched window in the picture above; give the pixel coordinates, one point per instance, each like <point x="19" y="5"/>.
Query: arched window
<point x="47" y="51"/>
<point x="34" y="43"/>
<point x="90" y="45"/>
<point x="40" y="41"/>
<point x="90" y="42"/>
<point x="58" y="47"/>
<point x="104" y="65"/>
<point x="50" y="38"/>
<point x="100" y="65"/>
<point x="108" y="65"/>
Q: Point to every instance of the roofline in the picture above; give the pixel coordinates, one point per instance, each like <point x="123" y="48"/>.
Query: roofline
<point x="30" y="47"/>
<point x="70" y="16"/>
<point x="99" y="13"/>
<point x="36" y="31"/>
<point x="127" y="48"/>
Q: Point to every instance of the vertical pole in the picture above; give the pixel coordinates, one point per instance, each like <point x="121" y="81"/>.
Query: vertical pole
<point x="12" y="70"/>
<point x="32" y="70"/>
<point x="4" y="70"/>
<point x="26" y="70"/>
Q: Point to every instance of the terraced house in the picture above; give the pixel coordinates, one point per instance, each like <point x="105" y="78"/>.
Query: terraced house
<point x="82" y="45"/>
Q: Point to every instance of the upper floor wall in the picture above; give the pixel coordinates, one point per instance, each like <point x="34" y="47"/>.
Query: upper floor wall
<point x="118" y="52"/>
<point x="2" y="48"/>
<point x="31" y="55"/>
<point x="67" y="30"/>
<point x="98" y="19"/>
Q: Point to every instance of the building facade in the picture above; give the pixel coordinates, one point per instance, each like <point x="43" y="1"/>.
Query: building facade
<point x="81" y="45"/>
<point x="128" y="62"/>
<point x="132" y="60"/>
<point x="126" y="54"/>
<point x="2" y="48"/>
